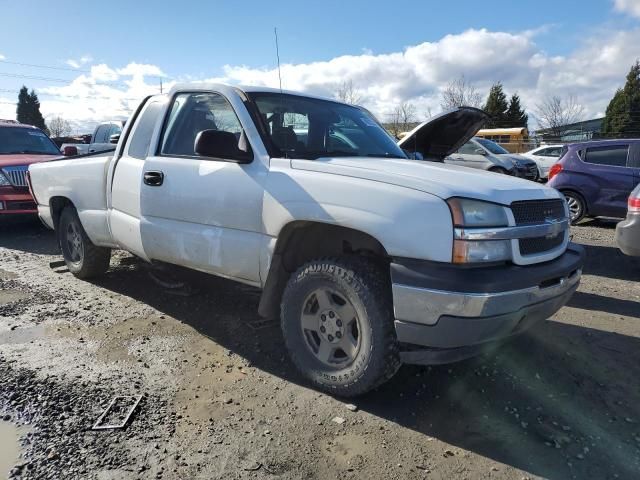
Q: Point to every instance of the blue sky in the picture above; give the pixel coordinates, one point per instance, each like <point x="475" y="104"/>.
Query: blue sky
<point x="191" y="40"/>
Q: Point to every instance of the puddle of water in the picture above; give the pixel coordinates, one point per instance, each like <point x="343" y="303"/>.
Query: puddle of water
<point x="9" y="447"/>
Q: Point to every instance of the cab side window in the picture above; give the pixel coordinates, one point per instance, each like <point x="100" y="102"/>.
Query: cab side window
<point x="190" y="114"/>
<point x="101" y="134"/>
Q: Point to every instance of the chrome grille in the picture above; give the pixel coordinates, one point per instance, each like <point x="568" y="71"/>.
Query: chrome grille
<point x="538" y="211"/>
<point x="17" y="176"/>
<point x="532" y="212"/>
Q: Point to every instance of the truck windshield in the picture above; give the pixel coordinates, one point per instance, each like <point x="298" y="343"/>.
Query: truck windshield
<point x="16" y="140"/>
<point x="309" y="128"/>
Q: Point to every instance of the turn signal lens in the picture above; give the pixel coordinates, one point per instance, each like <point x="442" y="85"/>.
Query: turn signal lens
<point x="555" y="169"/>
<point x="469" y="251"/>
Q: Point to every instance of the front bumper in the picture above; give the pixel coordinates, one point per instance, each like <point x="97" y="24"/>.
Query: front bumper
<point x="453" y="310"/>
<point x="15" y="201"/>
<point x="628" y="235"/>
<point x="527" y="171"/>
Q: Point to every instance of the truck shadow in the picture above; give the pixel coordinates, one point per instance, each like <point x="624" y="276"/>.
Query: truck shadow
<point x="561" y="401"/>
<point x="27" y="235"/>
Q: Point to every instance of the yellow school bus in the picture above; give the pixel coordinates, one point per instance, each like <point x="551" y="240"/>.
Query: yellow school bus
<point x="515" y="140"/>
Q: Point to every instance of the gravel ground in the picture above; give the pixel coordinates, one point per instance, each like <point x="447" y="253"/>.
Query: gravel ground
<point x="221" y="399"/>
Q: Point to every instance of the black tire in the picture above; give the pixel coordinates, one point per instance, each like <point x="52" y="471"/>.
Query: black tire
<point x="366" y="288"/>
<point x="499" y="170"/>
<point x="577" y="206"/>
<point x="83" y="258"/>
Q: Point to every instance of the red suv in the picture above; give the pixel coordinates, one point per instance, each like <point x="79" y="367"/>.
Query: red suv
<point x="20" y="146"/>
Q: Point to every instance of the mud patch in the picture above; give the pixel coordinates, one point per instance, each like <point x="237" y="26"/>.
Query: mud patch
<point x="9" y="446"/>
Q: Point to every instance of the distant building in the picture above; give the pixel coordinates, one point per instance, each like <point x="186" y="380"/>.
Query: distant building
<point x="573" y="132"/>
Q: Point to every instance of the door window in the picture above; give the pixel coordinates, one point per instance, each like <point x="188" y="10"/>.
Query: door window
<point x="190" y="114"/>
<point x="614" y="155"/>
<point x="468" y="148"/>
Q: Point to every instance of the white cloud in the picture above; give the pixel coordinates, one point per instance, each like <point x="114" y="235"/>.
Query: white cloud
<point x="77" y="63"/>
<point x="417" y="74"/>
<point x="105" y="93"/>
<point x="2" y="57"/>
<point x="631" y="7"/>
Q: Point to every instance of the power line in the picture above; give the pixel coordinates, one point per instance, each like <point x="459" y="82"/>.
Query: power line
<point x="49" y="67"/>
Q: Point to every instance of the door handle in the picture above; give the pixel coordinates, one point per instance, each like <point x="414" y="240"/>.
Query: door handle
<point x="153" y="178"/>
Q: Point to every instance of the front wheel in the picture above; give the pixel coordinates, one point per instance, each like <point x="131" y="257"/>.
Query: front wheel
<point x="499" y="170"/>
<point x="337" y="323"/>
<point x="83" y="258"/>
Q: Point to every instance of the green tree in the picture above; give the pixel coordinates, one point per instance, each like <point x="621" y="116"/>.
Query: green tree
<point x="28" y="109"/>
<point x="496" y="106"/>
<point x="23" y="114"/>
<point x="622" y="118"/>
<point x="516" y="116"/>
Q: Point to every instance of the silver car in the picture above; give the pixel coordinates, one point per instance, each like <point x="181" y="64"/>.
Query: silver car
<point x="487" y="155"/>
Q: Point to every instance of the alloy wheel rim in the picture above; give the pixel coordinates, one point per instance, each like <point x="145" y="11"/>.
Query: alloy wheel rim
<point x="574" y="207"/>
<point x="74" y="243"/>
<point x="330" y="327"/>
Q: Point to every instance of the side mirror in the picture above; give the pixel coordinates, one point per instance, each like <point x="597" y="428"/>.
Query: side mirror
<point x="114" y="138"/>
<point x="223" y="145"/>
<point x="479" y="151"/>
<point x="70" y="151"/>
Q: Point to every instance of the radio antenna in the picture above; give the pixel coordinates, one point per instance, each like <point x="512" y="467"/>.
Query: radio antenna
<point x="275" y="33"/>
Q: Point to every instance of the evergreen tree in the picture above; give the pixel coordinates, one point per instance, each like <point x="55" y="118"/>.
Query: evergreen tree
<point x="496" y="107"/>
<point x="622" y="118"/>
<point x="38" y="119"/>
<point x="22" y="112"/>
<point x="516" y="116"/>
<point x="28" y="109"/>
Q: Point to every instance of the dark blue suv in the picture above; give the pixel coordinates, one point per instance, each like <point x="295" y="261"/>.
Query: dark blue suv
<point x="597" y="177"/>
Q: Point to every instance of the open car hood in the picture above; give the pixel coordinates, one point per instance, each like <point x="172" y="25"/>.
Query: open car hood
<point x="445" y="133"/>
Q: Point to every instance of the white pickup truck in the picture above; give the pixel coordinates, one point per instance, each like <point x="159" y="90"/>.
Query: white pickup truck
<point x="104" y="137"/>
<point x="370" y="259"/>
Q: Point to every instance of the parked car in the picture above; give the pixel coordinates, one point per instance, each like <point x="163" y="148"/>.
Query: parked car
<point x="369" y="258"/>
<point x="475" y="152"/>
<point x="20" y="146"/>
<point x="544" y="156"/>
<point x="597" y="177"/>
<point x="628" y="231"/>
<point x="104" y="138"/>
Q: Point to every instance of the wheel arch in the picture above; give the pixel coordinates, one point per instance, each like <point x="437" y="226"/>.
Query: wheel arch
<point x="301" y="241"/>
<point x="57" y="204"/>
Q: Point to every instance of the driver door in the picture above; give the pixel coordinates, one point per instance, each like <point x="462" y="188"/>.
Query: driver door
<point x="467" y="156"/>
<point x="199" y="212"/>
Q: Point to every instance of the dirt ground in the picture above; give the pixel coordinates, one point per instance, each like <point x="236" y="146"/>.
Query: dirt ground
<point x="221" y="399"/>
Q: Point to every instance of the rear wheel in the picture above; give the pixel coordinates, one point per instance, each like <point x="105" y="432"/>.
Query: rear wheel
<point x="83" y="258"/>
<point x="337" y="323"/>
<point x="577" y="207"/>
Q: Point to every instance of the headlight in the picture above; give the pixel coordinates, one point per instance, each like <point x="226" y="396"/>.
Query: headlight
<point x="3" y="180"/>
<point x="469" y="214"/>
<point x="475" y="213"/>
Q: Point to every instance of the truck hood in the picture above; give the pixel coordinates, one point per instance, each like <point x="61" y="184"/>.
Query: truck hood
<point x="23" y="159"/>
<point x="445" y="133"/>
<point x="442" y="180"/>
